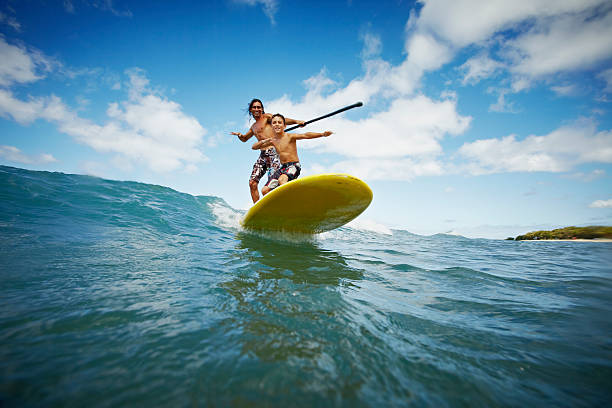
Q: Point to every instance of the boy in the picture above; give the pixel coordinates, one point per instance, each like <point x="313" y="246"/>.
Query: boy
<point x="268" y="158"/>
<point x="285" y="145"/>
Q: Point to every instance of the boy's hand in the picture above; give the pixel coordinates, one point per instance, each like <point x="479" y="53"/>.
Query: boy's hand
<point x="327" y="133"/>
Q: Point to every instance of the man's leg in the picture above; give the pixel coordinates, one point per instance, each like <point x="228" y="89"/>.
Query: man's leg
<point x="259" y="169"/>
<point x="254" y="185"/>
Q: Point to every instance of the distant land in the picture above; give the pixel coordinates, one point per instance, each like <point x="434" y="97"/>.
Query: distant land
<point x="568" y="233"/>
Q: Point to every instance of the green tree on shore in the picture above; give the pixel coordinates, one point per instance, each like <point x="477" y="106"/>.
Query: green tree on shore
<point x="591" y="232"/>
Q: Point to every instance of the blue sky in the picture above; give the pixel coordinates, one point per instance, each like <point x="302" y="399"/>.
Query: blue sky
<point x="487" y="119"/>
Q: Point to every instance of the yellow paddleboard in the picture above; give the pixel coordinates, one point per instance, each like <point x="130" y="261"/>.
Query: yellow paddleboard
<point x="310" y="204"/>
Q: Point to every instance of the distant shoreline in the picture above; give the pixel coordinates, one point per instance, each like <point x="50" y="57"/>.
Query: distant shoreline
<point x="581" y="234"/>
<point x="568" y="240"/>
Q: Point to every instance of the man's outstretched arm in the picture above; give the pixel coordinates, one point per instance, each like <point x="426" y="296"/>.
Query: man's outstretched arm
<point x="289" y="121"/>
<point x="244" y="137"/>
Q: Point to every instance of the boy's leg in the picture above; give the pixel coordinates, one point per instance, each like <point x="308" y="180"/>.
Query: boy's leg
<point x="274" y="165"/>
<point x="283" y="179"/>
<point x="272" y="182"/>
<point x="290" y="173"/>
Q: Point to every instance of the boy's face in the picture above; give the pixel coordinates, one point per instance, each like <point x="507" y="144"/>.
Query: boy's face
<point x="256" y="109"/>
<point x="278" y="125"/>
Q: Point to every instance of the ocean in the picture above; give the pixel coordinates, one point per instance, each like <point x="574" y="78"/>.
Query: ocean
<point x="119" y="293"/>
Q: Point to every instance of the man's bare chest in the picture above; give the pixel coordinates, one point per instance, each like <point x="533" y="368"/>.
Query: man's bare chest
<point x="261" y="130"/>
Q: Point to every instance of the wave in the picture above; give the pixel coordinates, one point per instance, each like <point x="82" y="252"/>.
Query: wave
<point x="136" y="284"/>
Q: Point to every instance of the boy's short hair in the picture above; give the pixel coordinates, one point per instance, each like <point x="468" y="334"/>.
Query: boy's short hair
<point x="280" y="116"/>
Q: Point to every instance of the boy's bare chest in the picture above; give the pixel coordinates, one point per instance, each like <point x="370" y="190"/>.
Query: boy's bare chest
<point x="283" y="143"/>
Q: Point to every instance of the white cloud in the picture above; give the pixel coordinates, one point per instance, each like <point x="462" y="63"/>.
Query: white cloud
<point x="104" y="5"/>
<point x="402" y="139"/>
<point x="409" y="127"/>
<point x="566" y="43"/>
<point x="399" y="169"/>
<point x="478" y="68"/>
<point x="533" y="39"/>
<point x="465" y="22"/>
<point x="601" y="204"/>
<point x="380" y="79"/>
<point x="13" y="154"/>
<point x="401" y="142"/>
<point x="427" y="53"/>
<point x="17" y="65"/>
<point x="23" y="112"/>
<point x="372" y="45"/>
<point x="558" y="151"/>
<point x="433" y="38"/>
<point x="146" y="128"/>
<point x="607" y="77"/>
<point x="502" y="104"/>
<point x="319" y="84"/>
<point x="587" y="177"/>
<point x="69" y="6"/>
<point x="216" y="139"/>
<point x="564" y="90"/>
<point x="10" y="21"/>
<point x="270" y="7"/>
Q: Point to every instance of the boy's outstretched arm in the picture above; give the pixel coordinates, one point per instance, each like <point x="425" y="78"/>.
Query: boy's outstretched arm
<point x="262" y="144"/>
<point x="311" y="135"/>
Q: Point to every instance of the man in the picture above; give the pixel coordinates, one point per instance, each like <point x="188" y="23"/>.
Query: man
<point x="285" y="145"/>
<point x="268" y="158"/>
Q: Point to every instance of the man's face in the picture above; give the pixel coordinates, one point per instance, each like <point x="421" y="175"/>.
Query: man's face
<point x="256" y="109"/>
<point x="277" y="124"/>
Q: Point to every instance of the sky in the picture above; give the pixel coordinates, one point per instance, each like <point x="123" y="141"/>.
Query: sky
<point x="480" y="118"/>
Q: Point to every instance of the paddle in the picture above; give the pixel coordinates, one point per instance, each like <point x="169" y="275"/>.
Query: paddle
<point x="355" y="105"/>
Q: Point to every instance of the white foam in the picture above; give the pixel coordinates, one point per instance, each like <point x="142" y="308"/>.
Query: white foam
<point x="348" y="231"/>
<point x="369" y="225"/>
<point x="226" y="216"/>
<point x="286" y="236"/>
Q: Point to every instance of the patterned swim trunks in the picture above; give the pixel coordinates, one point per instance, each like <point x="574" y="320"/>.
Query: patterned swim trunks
<point x="291" y="169"/>
<point x="268" y="161"/>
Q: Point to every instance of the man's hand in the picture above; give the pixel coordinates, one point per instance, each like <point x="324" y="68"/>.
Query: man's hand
<point x="243" y="138"/>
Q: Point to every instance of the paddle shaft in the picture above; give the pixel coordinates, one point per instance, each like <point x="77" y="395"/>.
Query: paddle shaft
<point x="355" y="105"/>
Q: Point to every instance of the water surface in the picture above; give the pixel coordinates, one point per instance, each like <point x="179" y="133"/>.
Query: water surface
<point x="119" y="293"/>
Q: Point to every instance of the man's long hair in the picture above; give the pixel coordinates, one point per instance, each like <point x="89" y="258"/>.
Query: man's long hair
<point x="251" y="105"/>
